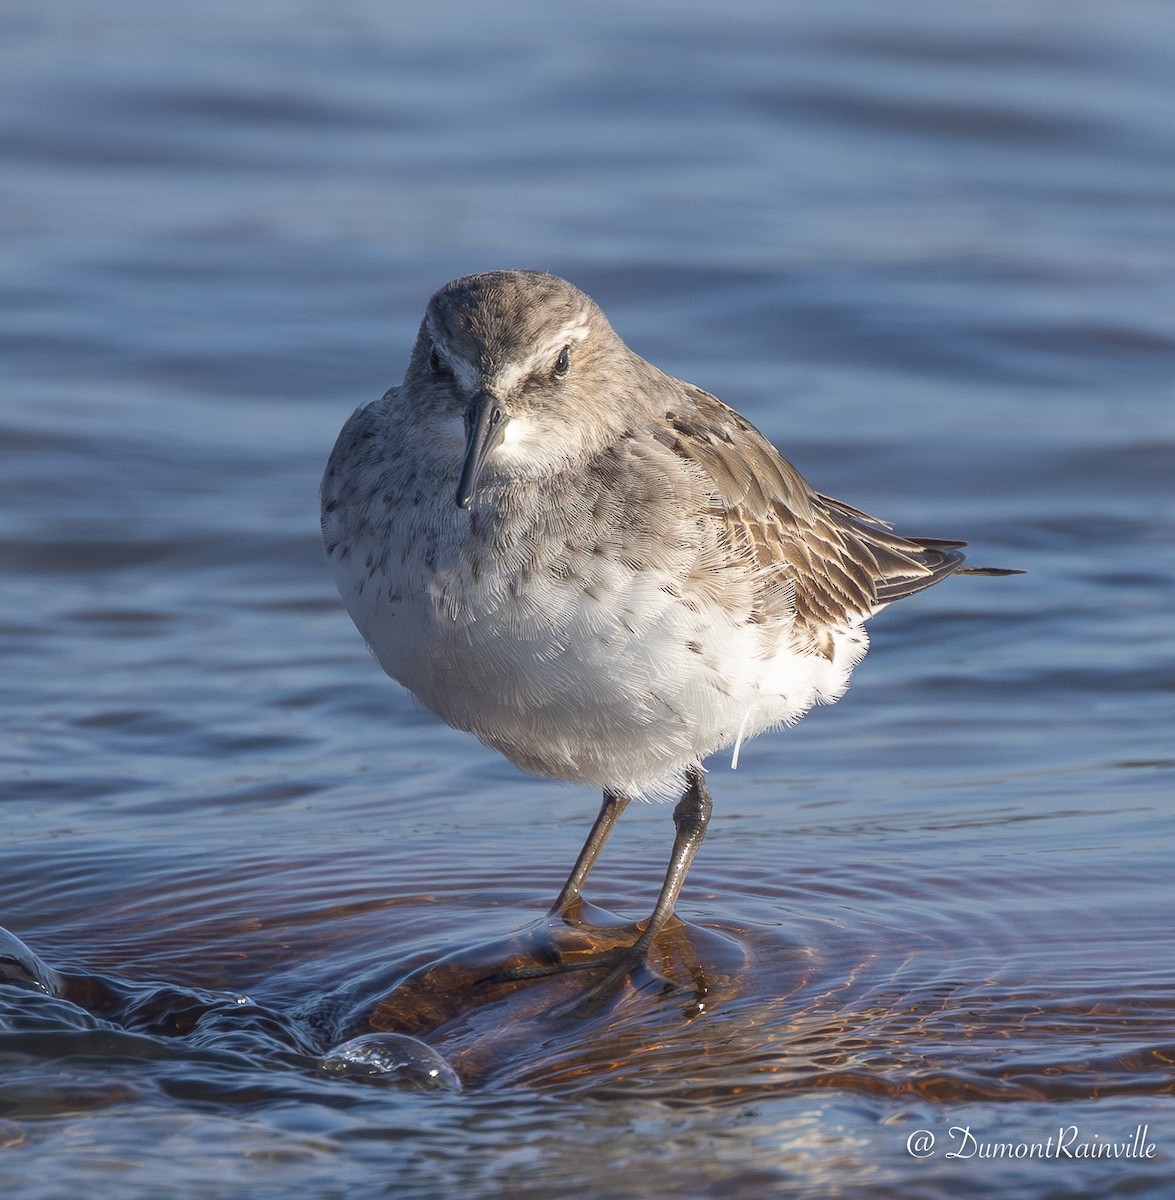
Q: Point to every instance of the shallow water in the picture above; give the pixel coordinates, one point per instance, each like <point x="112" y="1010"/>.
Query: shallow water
<point x="928" y="250"/>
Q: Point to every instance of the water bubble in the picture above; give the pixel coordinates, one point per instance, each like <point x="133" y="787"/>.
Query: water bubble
<point x="20" y="966"/>
<point x="395" y="1056"/>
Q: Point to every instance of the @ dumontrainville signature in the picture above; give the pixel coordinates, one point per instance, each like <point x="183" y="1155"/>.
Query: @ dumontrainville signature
<point x="959" y="1142"/>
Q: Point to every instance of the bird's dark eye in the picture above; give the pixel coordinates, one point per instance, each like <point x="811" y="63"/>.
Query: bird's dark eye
<point x="435" y="363"/>
<point x="563" y="362"/>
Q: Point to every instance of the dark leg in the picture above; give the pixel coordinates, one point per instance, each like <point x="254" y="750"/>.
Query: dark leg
<point x="609" y="814"/>
<point x="691" y="816"/>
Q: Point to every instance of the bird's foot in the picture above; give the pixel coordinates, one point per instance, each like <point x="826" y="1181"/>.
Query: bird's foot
<point x="630" y="965"/>
<point x="618" y="964"/>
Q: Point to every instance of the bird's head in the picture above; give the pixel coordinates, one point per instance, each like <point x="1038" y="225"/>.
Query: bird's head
<point x="530" y="367"/>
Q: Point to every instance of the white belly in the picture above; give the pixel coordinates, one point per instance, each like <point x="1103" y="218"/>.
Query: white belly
<point x="604" y="678"/>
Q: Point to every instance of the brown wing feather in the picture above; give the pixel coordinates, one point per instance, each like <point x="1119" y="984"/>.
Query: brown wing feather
<point x="835" y="564"/>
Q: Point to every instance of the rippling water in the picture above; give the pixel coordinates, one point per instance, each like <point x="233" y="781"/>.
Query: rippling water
<point x="928" y="250"/>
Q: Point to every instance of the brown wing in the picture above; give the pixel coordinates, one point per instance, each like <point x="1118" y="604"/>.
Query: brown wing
<point x="829" y="563"/>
